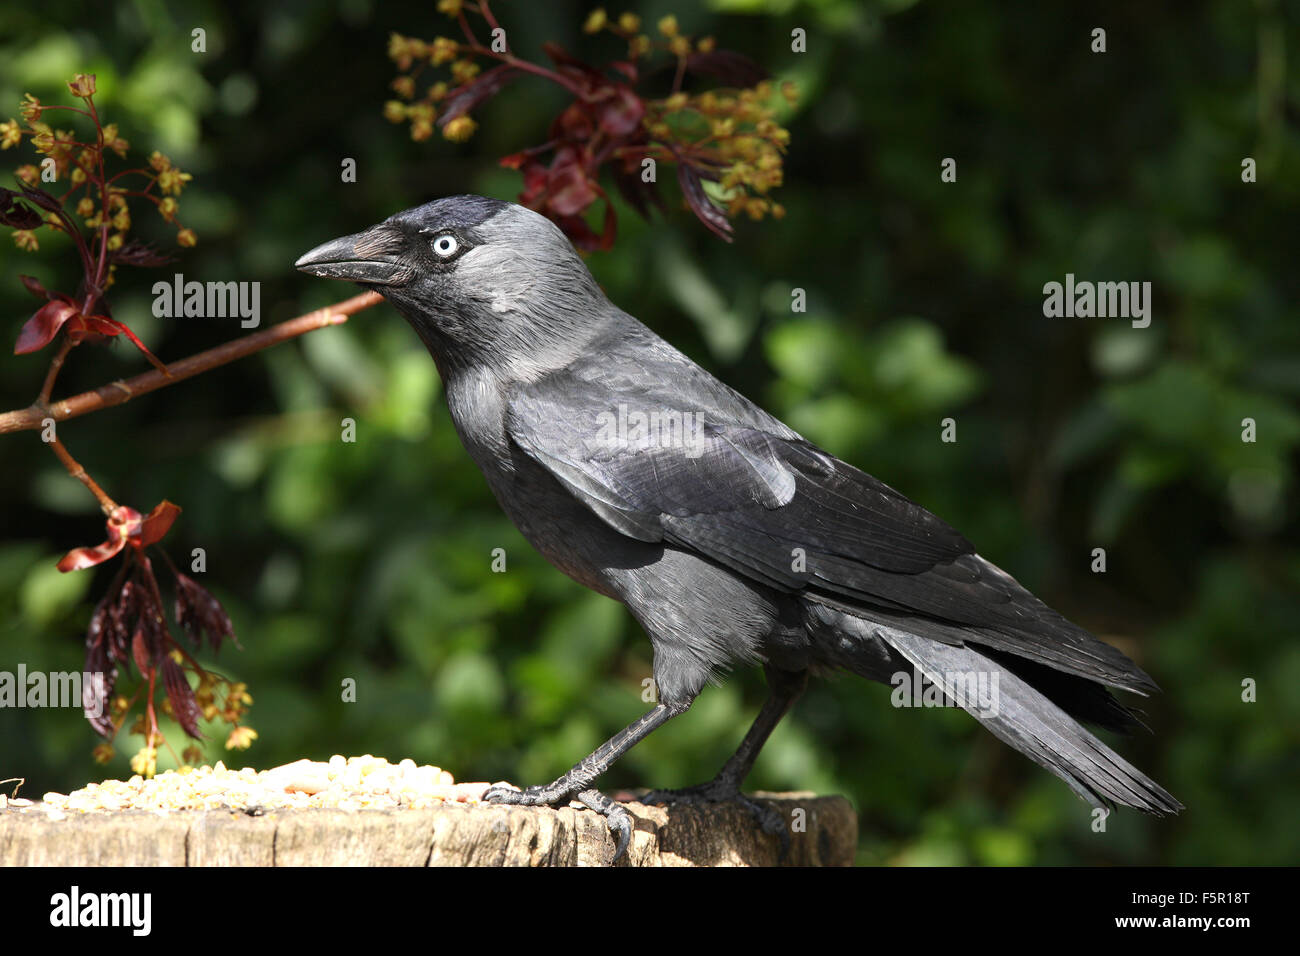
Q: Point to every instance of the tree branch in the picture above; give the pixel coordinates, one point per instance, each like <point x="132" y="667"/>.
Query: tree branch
<point x="116" y="393"/>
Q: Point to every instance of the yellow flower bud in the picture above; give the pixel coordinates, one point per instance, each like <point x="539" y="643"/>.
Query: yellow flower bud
<point x="30" y="109"/>
<point x="172" y="180"/>
<point x="241" y="738"/>
<point x="83" y="85"/>
<point x="145" y="762"/>
<point x="462" y="71"/>
<point x="404" y="86"/>
<point x="459" y="129"/>
<point x="399" y="51"/>
<point x="444" y="51"/>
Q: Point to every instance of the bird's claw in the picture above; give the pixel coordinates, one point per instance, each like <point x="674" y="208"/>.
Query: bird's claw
<point x="555" y="794"/>
<point x="616" y="817"/>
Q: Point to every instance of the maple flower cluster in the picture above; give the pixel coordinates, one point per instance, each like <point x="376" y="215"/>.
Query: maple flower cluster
<point x="102" y="202"/>
<point x="726" y="137"/>
<point x="129" y="626"/>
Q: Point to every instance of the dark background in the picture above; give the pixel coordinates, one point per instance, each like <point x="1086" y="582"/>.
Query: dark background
<point x="371" y="560"/>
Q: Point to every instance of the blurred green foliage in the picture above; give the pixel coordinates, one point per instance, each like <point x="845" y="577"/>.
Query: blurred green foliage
<point x="371" y="560"/>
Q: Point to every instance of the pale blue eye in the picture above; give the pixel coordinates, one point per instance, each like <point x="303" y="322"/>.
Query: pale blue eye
<point x="445" y="246"/>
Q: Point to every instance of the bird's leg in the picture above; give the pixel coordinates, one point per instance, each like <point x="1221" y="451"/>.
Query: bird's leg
<point x="577" y="782"/>
<point x="784" y="688"/>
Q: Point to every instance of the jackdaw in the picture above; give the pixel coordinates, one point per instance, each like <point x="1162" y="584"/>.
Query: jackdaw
<point x="730" y="538"/>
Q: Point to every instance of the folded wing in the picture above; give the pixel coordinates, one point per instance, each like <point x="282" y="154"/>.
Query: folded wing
<point x="704" y="470"/>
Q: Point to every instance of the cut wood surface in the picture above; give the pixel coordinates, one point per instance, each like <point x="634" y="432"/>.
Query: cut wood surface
<point x="824" y="833"/>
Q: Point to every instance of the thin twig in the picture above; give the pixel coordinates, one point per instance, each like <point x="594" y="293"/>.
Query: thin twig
<point x="115" y="393"/>
<point x="56" y="363"/>
<point x="106" y="504"/>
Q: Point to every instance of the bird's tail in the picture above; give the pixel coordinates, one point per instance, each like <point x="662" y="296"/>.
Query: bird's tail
<point x="1022" y="716"/>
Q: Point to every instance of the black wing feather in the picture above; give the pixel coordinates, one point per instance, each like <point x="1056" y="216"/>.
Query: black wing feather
<point x="747" y="492"/>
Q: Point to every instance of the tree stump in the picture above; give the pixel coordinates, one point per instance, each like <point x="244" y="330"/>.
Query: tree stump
<point x="823" y="833"/>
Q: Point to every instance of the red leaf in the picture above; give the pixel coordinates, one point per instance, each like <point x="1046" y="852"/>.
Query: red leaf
<point x="140" y="651"/>
<point x="80" y="558"/>
<point x="535" y="175"/>
<point x="158" y="523"/>
<point x="625" y="67"/>
<point x="103" y="325"/>
<point x="40" y="197"/>
<point x="14" y="214"/>
<point x="120" y="615"/>
<point x="96" y="692"/>
<point x="184" y="707"/>
<point x="95" y="325"/>
<point x="570" y="190"/>
<point x="42" y="327"/>
<point x="622" y="113"/>
<point x="583" y="236"/>
<point x="122" y="524"/>
<point x="138" y="254"/>
<point x="34" y="286"/>
<point x="198" y="612"/>
<point x="574" y="123"/>
<point x="514" y="160"/>
<point x="709" y="214"/>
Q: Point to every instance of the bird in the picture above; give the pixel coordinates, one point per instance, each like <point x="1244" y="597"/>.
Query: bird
<point x="731" y="539"/>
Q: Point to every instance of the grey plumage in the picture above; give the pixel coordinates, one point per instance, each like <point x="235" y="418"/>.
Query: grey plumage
<point x="731" y="539"/>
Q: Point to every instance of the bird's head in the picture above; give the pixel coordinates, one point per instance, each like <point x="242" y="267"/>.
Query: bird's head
<point x="479" y="279"/>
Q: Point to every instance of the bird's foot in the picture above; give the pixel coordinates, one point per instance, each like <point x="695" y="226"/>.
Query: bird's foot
<point x="555" y="794"/>
<point x="561" y="792"/>
<point x="720" y="790"/>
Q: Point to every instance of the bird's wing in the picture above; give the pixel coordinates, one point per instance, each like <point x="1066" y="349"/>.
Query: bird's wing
<point x="741" y="489"/>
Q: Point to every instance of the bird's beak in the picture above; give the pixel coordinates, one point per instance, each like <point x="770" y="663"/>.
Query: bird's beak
<point x="373" y="257"/>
